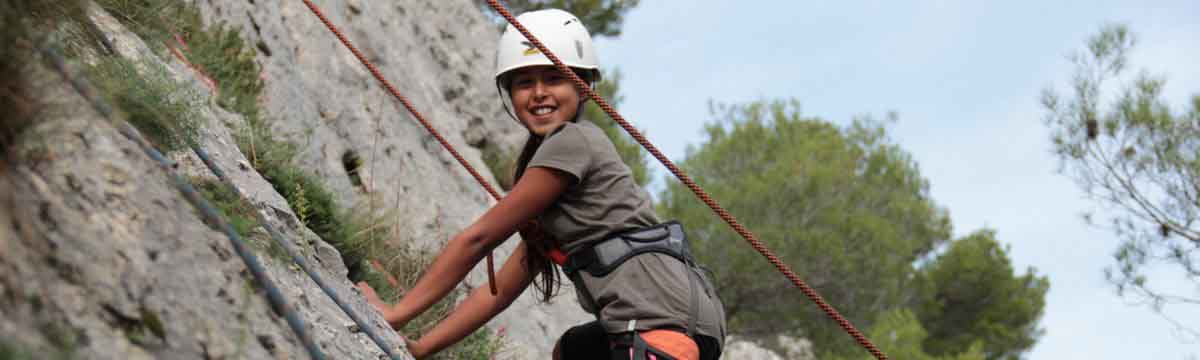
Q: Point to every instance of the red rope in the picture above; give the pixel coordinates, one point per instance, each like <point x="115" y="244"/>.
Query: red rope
<point x="411" y="109"/>
<point x="700" y="193"/>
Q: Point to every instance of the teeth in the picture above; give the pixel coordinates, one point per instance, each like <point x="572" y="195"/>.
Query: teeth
<point x="542" y="110"/>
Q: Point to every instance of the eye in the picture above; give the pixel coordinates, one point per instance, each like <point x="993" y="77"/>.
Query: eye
<point x="522" y="82"/>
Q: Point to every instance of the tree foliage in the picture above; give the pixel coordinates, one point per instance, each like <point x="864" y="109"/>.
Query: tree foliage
<point x="1136" y="158"/>
<point x="600" y="17"/>
<point x="631" y="152"/>
<point x="972" y="297"/>
<point x="900" y="335"/>
<point x="843" y="206"/>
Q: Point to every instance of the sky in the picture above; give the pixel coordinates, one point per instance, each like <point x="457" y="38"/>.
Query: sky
<point x="964" y="78"/>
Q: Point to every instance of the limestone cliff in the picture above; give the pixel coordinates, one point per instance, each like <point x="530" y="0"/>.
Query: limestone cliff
<point x="100" y="257"/>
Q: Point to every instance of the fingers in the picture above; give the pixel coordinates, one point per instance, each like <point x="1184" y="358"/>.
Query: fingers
<point x="414" y="347"/>
<point x="362" y="285"/>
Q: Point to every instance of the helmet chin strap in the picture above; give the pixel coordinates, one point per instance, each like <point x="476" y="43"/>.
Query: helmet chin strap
<point x="504" y="100"/>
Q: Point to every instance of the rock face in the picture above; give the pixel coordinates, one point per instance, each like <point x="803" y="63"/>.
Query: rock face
<point x="439" y="54"/>
<point x="793" y="349"/>
<point x="101" y="257"/>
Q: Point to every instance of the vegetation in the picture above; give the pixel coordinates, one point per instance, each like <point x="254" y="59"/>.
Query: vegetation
<point x="20" y="20"/>
<point x="843" y="206"/>
<point x="600" y="17"/>
<point x="221" y="53"/>
<point x="971" y="298"/>
<point x="155" y="21"/>
<point x="13" y="352"/>
<point x="166" y="113"/>
<point x="501" y="163"/>
<point x="239" y="213"/>
<point x="407" y="263"/>
<point x="1137" y="159"/>
<point x="632" y="153"/>
<point x="236" y="212"/>
<point x="164" y="110"/>
<point x="900" y="335"/>
<point x="850" y="211"/>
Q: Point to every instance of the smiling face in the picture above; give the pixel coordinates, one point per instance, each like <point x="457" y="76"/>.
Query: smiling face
<point x="543" y="98"/>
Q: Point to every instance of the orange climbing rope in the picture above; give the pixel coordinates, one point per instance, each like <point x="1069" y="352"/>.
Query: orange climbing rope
<point x="491" y="270"/>
<point x="700" y="193"/>
<point x="608" y="109"/>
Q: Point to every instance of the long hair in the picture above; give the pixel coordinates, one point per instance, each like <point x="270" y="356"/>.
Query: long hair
<point x="537" y="242"/>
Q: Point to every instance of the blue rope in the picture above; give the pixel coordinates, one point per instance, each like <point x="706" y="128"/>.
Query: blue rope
<point x="278" y="302"/>
<point x="300" y="260"/>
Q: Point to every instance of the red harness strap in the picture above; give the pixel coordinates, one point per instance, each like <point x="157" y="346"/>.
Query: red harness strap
<point x="558" y="256"/>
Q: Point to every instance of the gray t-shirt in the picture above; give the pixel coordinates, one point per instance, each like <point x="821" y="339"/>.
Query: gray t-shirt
<point x="653" y="289"/>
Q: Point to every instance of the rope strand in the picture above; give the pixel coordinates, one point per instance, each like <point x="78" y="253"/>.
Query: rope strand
<point x="299" y="259"/>
<point x="491" y="270"/>
<point x="278" y="302"/>
<point x="699" y="192"/>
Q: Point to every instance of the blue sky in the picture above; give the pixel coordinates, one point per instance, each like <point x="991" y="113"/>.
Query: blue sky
<point x="964" y="79"/>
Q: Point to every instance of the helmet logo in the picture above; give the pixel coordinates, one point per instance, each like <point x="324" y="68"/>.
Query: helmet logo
<point x="579" y="48"/>
<point x="530" y="50"/>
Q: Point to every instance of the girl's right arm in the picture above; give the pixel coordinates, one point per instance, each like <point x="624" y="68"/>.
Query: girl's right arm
<point x="538" y="188"/>
<point x="479" y="307"/>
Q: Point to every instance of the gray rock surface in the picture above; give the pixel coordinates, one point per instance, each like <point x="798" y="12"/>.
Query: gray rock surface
<point x="101" y="257"/>
<point x="439" y="54"/>
<point x="792" y="349"/>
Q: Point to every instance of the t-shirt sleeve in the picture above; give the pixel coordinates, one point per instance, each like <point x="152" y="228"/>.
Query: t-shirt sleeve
<point x="567" y="150"/>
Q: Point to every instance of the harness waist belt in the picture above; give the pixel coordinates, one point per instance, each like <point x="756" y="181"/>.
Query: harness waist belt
<point x="603" y="257"/>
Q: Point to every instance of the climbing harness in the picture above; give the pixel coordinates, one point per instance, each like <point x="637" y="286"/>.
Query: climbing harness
<point x="294" y="320"/>
<point x="638" y="348"/>
<point x="699" y="192"/>
<point x="600" y="258"/>
<point x="582" y="86"/>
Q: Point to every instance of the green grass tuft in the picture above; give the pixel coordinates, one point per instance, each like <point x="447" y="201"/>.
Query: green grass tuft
<point x="239" y="213"/>
<point x="217" y="51"/>
<point x="407" y="263"/>
<point x="359" y="234"/>
<point x="13" y="352"/>
<point x="223" y="55"/>
<point x="164" y="111"/>
<point x="482" y="344"/>
<point x="501" y="163"/>
<point x="23" y="24"/>
<point x="155" y="21"/>
<point x="355" y="233"/>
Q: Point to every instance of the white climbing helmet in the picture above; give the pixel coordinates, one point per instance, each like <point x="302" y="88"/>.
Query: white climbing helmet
<point x="560" y="31"/>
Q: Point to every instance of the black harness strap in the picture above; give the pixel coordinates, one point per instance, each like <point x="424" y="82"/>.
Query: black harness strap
<point x="602" y="257"/>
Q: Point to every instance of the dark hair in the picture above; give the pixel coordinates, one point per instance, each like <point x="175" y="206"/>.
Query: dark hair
<point x="537" y="242"/>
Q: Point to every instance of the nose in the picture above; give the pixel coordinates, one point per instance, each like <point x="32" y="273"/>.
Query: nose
<point x="539" y="89"/>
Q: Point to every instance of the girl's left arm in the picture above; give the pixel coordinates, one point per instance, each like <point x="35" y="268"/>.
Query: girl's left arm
<point x="479" y="307"/>
<point x="537" y="189"/>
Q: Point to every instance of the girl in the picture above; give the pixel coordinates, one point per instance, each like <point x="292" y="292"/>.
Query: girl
<point x="634" y="273"/>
